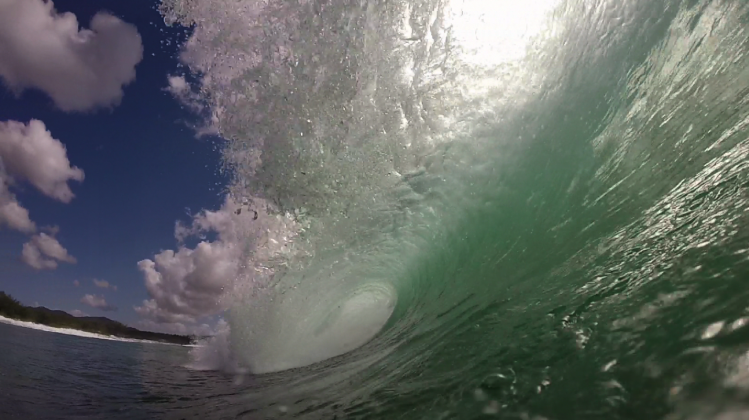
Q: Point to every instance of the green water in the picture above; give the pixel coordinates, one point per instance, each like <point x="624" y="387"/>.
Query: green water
<point x="559" y="232"/>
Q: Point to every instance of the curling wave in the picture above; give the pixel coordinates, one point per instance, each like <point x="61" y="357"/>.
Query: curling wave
<point x="483" y="207"/>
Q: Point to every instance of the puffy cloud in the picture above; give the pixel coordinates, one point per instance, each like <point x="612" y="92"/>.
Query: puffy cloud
<point x="190" y="283"/>
<point x="104" y="284"/>
<point x="79" y="69"/>
<point x="77" y="313"/>
<point x="151" y="310"/>
<point x="76" y="283"/>
<point x="12" y="214"/>
<point x="52" y="230"/>
<point x="51" y="248"/>
<point x="34" y="259"/>
<point x="43" y="252"/>
<point x="29" y="153"/>
<point x="97" y="302"/>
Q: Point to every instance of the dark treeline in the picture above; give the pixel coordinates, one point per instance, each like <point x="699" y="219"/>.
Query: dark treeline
<point x="11" y="308"/>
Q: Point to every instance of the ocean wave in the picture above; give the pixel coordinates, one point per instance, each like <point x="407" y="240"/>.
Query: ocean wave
<point x="478" y="207"/>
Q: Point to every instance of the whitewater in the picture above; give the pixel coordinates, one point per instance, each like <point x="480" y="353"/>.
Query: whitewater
<point x="469" y="208"/>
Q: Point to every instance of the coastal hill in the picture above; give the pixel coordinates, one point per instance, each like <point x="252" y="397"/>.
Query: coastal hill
<point x="11" y="308"/>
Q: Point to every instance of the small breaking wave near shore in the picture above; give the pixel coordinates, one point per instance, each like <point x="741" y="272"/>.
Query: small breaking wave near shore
<point x="78" y="333"/>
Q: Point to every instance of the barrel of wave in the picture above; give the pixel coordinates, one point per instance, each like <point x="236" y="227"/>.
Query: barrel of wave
<point x="308" y="324"/>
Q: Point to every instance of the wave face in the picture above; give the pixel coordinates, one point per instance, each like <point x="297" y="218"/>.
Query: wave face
<point x="485" y="207"/>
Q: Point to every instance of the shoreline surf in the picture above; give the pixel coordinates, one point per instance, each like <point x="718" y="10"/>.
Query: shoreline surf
<point x="80" y="333"/>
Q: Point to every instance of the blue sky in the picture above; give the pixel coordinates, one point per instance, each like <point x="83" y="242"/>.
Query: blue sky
<point x="144" y="167"/>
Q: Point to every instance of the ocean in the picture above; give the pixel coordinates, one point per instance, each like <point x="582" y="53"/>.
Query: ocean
<point x="463" y="210"/>
<point x="48" y="375"/>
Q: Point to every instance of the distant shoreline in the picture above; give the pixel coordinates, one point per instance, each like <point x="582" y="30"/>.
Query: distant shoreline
<point x="76" y="333"/>
<point x="40" y="318"/>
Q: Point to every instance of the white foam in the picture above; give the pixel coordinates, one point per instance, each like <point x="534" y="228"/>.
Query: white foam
<point x="214" y="353"/>
<point x="70" y="331"/>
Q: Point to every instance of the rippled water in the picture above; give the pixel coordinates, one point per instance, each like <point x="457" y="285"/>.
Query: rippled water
<point x="46" y="375"/>
<point x="468" y="209"/>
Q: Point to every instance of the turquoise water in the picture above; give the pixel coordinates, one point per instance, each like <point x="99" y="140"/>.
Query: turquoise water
<point x="487" y="208"/>
<point x="474" y="209"/>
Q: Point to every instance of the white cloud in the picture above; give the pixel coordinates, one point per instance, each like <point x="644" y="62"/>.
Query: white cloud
<point x="151" y="310"/>
<point x="80" y="69"/>
<point x="12" y="214"/>
<point x="190" y="283"/>
<point x="51" y="248"/>
<point x="30" y="153"/>
<point x="52" y="230"/>
<point x="77" y="313"/>
<point x="97" y="302"/>
<point x="43" y="251"/>
<point x="76" y="283"/>
<point x="104" y="284"/>
<point x="34" y="259"/>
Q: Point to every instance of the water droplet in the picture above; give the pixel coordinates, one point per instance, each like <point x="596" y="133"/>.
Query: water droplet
<point x="735" y="325"/>
<point x="491" y="408"/>
<point x="609" y="365"/>
<point x="712" y="330"/>
<point x="479" y="394"/>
